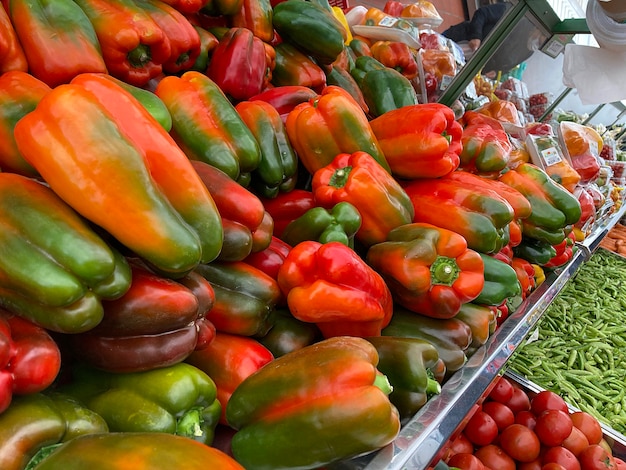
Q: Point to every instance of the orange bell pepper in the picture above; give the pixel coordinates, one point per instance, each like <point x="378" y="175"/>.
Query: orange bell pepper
<point x="396" y="55"/>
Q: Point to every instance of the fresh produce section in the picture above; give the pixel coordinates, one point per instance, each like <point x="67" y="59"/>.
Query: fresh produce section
<point x="241" y="232"/>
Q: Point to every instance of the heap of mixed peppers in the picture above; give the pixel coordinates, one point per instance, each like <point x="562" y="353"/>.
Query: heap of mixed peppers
<point x="231" y="235"/>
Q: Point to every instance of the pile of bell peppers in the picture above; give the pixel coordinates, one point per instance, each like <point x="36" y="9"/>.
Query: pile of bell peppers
<point x="225" y="224"/>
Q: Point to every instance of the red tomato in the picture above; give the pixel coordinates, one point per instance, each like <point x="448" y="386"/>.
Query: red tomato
<point x="589" y="425"/>
<point x="547" y="400"/>
<point x="502" y="390"/>
<point x="553" y="427"/>
<point x="501" y="414"/>
<point x="596" y="457"/>
<point x="552" y="466"/>
<point x="527" y="418"/>
<point x="562" y="456"/>
<point x="621" y="465"/>
<point x="534" y="465"/>
<point x="576" y="441"/>
<point x="495" y="458"/>
<point x="519" y="400"/>
<point x="460" y="445"/>
<point x="466" y="462"/>
<point x="481" y="429"/>
<point x="520" y="443"/>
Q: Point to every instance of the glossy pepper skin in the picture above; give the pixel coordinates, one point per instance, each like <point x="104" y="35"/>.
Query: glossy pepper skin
<point x="11" y="51"/>
<point x="294" y="67"/>
<point x="20" y="93"/>
<point x="133" y="45"/>
<point x="34" y="422"/>
<point x="339" y="224"/>
<point x="311" y="28"/>
<point x="183" y="38"/>
<point x="358" y="179"/>
<point x="76" y="268"/>
<point x="113" y="451"/>
<point x="288" y="333"/>
<point x="271" y="258"/>
<point x="156" y="323"/>
<point x="341" y="77"/>
<point x="331" y="386"/>
<point x="383" y="88"/>
<point x="482" y="321"/>
<point x="239" y="206"/>
<point x="278" y="167"/>
<point x="58" y="39"/>
<point x="330" y="285"/>
<point x="525" y="275"/>
<point x="329" y="124"/>
<point x="206" y="124"/>
<point x="187" y="6"/>
<point x="228" y="360"/>
<point x="287" y="207"/>
<point x="486" y="145"/>
<point x="31" y="359"/>
<point x="501" y="282"/>
<point x="564" y="252"/>
<point x="450" y="336"/>
<point x="396" y="55"/>
<point x="244" y="297"/>
<point x="257" y="16"/>
<point x="428" y="269"/>
<point x="480" y="215"/>
<point x="554" y="208"/>
<point x="179" y="399"/>
<point x="535" y="251"/>
<point x="238" y="64"/>
<point x="138" y="177"/>
<point x="285" y="98"/>
<point x="407" y="363"/>
<point x="419" y="141"/>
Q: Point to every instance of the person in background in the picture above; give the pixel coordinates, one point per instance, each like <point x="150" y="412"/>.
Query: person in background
<point x="474" y="31"/>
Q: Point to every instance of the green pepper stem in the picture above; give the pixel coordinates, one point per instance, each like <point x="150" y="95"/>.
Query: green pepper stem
<point x="139" y="56"/>
<point x="444" y="271"/>
<point x="190" y="423"/>
<point x="41" y="455"/>
<point x="381" y="381"/>
<point x="340" y="177"/>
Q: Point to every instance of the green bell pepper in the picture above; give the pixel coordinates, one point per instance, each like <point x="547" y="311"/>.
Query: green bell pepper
<point x="534" y="251"/>
<point x="501" y="282"/>
<point x="383" y="88"/>
<point x="39" y="422"/>
<point x="338" y="224"/>
<point x="407" y="363"/>
<point x="179" y="399"/>
<point x="330" y="392"/>
<point x="288" y="333"/>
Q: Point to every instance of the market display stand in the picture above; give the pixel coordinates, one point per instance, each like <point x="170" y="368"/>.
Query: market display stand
<point x="423" y="437"/>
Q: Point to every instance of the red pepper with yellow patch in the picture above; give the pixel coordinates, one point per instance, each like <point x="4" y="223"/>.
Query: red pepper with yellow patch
<point x="396" y="55"/>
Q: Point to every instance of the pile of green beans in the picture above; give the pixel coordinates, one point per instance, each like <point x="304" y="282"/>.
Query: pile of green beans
<point x="578" y="347"/>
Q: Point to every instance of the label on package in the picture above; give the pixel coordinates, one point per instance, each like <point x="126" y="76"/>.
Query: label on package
<point x="551" y="156"/>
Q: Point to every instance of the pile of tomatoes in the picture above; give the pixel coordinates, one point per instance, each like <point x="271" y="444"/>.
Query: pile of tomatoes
<point x="514" y="430"/>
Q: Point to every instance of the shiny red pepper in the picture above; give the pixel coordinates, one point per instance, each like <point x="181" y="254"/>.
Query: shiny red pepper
<point x="30" y="359"/>
<point x="285" y="98"/>
<point x="271" y="258"/>
<point x="238" y="64"/>
<point x="11" y="51"/>
<point x="564" y="252"/>
<point x="293" y="67"/>
<point x="287" y="207"/>
<point x="396" y="55"/>
<point x="525" y="274"/>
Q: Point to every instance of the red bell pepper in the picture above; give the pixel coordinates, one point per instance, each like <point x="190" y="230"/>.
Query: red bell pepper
<point x="428" y="269"/>
<point x="20" y="93"/>
<point x="525" y="274"/>
<point x="486" y="145"/>
<point x="183" y="38"/>
<point x="285" y="98"/>
<point x="238" y="64"/>
<point x="332" y="123"/>
<point x="134" y="47"/>
<point x="564" y="252"/>
<point x="255" y="15"/>
<point x="58" y="39"/>
<point x="419" y="141"/>
<point x="228" y="360"/>
<point x="293" y="67"/>
<point x="332" y="286"/>
<point x="30" y="359"/>
<point x="287" y="207"/>
<point x="187" y="6"/>
<point x="12" y="57"/>
<point x="358" y="179"/>
<point x="396" y="55"/>
<point x="271" y="258"/>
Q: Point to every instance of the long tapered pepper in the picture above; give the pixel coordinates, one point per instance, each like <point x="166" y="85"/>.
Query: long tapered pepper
<point x="278" y="167"/>
<point x="332" y="123"/>
<point x="330" y="391"/>
<point x="58" y="38"/>
<point x="138" y="185"/>
<point x="134" y="47"/>
<point x="179" y="399"/>
<point x="358" y="179"/>
<point x="480" y="215"/>
<point x="207" y="126"/>
<point x="30" y="357"/>
<point x="75" y="267"/>
<point x="238" y="64"/>
<point x="20" y="93"/>
<point x="428" y="269"/>
<point x="12" y="57"/>
<point x="331" y="286"/>
<point x="419" y="141"/>
<point x="34" y="422"/>
<point x="228" y="360"/>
